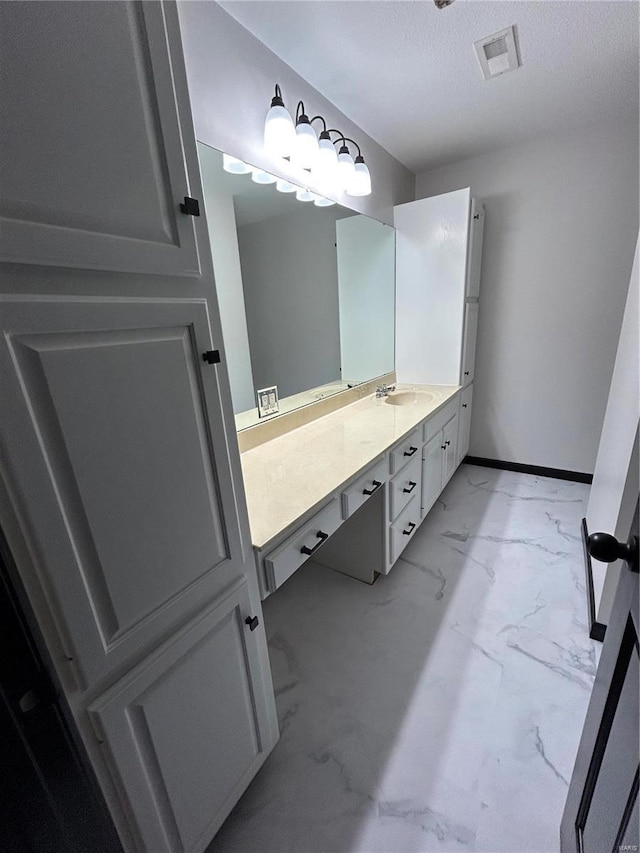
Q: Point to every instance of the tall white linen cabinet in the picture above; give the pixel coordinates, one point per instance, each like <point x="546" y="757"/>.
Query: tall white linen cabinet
<point x="121" y="494"/>
<point x="438" y="260"/>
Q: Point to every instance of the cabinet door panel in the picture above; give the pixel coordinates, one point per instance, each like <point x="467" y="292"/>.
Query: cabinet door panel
<point x="185" y="728"/>
<point x="432" y="459"/>
<point x="469" y="344"/>
<point x="476" y="234"/>
<point x="450" y="441"/>
<point x="93" y="175"/>
<point x="464" y="424"/>
<point x="115" y="436"/>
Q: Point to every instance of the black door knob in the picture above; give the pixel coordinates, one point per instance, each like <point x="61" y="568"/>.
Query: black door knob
<point x="607" y="549"/>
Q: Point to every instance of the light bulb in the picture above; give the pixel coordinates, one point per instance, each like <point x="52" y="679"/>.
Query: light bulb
<point x="346" y="167"/>
<point x="279" y="130"/>
<point x="306" y="148"/>
<point x="360" y="183"/>
<point x="323" y="202"/>
<point x="285" y="187"/>
<point x="325" y="169"/>
<point x="258" y="176"/>
<point x="235" y="166"/>
<point x="306" y="195"/>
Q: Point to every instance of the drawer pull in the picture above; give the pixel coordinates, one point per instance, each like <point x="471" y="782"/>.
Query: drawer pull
<point x="443" y="446"/>
<point x="464" y="405"/>
<point x="466" y="373"/>
<point x="409" y="529"/>
<point x="411" y="451"/>
<point x="413" y="485"/>
<point x="376" y="485"/>
<point x="447" y="443"/>
<point x="321" y="536"/>
<point x="252" y="622"/>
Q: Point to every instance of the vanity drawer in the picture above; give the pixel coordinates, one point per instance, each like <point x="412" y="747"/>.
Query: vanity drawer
<point x="404" y="486"/>
<point x="401" y="454"/>
<point x="282" y="563"/>
<point x="359" y="492"/>
<point x="435" y="424"/>
<point x="402" y="530"/>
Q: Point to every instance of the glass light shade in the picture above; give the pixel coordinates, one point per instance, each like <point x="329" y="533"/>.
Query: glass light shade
<point x="279" y="133"/>
<point x="285" y="187"/>
<point x="360" y="183"/>
<point x="325" y="169"/>
<point x="235" y="166"/>
<point x="346" y="169"/>
<point x="260" y="177"/>
<point x="323" y="202"/>
<point x="306" y="148"/>
<point x="306" y="195"/>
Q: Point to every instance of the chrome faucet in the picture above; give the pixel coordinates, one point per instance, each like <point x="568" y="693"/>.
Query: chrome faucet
<point x="383" y="390"/>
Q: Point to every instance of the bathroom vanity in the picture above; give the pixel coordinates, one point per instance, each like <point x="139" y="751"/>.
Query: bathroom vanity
<point x="351" y="488"/>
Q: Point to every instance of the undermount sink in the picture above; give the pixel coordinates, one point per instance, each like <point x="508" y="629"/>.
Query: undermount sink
<point x="408" y="398"/>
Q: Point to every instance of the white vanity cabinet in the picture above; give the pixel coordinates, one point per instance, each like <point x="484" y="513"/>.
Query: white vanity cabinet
<point x="439" y="461"/>
<point x="120" y="492"/>
<point x="438" y="262"/>
<point x="464" y="422"/>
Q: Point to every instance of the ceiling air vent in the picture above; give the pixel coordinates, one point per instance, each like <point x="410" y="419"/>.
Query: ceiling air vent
<point x="497" y="53"/>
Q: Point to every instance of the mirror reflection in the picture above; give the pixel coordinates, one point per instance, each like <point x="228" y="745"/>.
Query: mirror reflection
<point x="306" y="289"/>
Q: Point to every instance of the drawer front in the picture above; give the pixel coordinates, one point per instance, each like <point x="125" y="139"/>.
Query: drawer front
<point x="404" y="486"/>
<point x="282" y="563"/>
<point x="409" y="448"/>
<point x="359" y="492"/>
<point x="434" y="425"/>
<point x="402" y="530"/>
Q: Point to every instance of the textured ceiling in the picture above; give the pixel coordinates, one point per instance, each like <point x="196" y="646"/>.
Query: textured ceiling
<point x="407" y="73"/>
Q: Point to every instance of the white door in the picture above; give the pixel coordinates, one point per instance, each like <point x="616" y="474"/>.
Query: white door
<point x="469" y="342"/>
<point x="474" y="261"/>
<point x="464" y="422"/>
<point x="450" y="443"/>
<point x="114" y="436"/>
<point x="432" y="459"/>
<point x="186" y="728"/>
<point x="92" y="168"/>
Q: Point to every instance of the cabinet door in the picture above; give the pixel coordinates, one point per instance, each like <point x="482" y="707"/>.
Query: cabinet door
<point x="92" y="168"/>
<point x="464" y="422"/>
<point x="469" y="342"/>
<point x="450" y="442"/>
<point x="116" y="447"/>
<point x="474" y="261"/>
<point x="432" y="459"/>
<point x="185" y="728"/>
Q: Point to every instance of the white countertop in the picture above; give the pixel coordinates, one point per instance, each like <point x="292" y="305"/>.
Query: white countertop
<point x="286" y="477"/>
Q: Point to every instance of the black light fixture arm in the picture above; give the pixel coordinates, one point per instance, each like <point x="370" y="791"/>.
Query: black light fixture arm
<point x="277" y="101"/>
<point x="324" y="124"/>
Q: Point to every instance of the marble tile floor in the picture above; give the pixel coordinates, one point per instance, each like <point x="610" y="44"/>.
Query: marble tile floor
<point x="439" y="709"/>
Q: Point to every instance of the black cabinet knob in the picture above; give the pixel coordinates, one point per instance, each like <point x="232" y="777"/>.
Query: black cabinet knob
<point x="466" y="373"/>
<point x="607" y="549"/>
<point x="252" y="622"/>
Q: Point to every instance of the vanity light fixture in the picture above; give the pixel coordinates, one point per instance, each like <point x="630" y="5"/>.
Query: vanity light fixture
<point x="306" y="148"/>
<point x="279" y="132"/>
<point x="299" y="143"/>
<point x="235" y="166"/>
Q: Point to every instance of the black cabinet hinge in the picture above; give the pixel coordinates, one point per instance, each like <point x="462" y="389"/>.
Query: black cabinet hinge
<point x="191" y="206"/>
<point x="211" y="356"/>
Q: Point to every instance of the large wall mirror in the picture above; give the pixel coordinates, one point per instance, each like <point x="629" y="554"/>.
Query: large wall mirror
<point x="306" y="289"/>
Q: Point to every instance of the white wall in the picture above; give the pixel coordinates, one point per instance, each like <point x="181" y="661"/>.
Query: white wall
<point x="560" y="232"/>
<point x="232" y="76"/>
<point x="290" y="278"/>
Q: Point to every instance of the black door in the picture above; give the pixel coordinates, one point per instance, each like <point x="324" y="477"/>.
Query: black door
<point x="48" y="801"/>
<point x="601" y="813"/>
